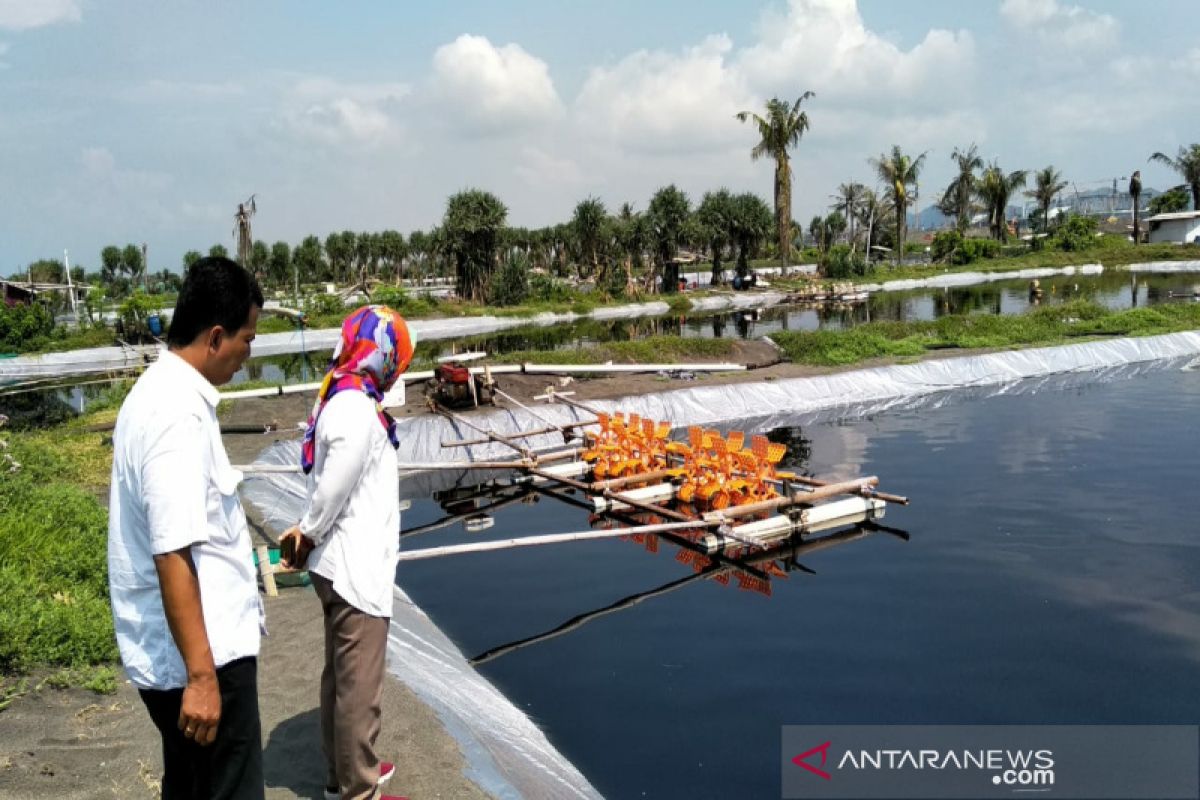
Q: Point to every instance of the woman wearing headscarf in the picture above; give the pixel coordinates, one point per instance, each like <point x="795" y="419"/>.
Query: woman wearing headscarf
<point x="349" y="538"/>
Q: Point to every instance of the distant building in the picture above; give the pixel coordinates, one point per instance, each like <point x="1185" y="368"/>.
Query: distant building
<point x="1182" y="227"/>
<point x="15" y="295"/>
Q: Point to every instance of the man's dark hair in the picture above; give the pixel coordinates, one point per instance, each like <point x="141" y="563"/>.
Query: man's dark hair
<point x="216" y="291"/>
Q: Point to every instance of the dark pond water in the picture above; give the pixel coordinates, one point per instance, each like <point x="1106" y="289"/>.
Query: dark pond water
<point x="1052" y="576"/>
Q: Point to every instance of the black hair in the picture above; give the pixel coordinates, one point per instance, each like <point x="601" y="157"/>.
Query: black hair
<point x="216" y="291"/>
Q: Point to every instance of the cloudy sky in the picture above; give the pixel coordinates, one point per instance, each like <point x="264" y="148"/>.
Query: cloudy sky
<point x="142" y="121"/>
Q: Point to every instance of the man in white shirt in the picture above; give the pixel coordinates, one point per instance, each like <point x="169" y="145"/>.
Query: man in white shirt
<point x="184" y="593"/>
<point x="350" y="540"/>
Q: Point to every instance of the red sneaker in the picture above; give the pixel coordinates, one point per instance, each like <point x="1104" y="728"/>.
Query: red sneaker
<point x="386" y="770"/>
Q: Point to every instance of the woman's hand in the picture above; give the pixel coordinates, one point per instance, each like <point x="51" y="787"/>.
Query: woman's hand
<point x="294" y="548"/>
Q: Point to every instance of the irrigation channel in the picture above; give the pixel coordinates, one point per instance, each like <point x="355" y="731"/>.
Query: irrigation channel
<point x="1044" y="574"/>
<point x="1115" y="289"/>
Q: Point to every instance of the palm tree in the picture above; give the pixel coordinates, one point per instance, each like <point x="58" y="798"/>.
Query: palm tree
<point x="871" y="209"/>
<point x="957" y="198"/>
<point x="1187" y="164"/>
<point x="994" y="189"/>
<point x="751" y="226"/>
<point x="779" y="130"/>
<point x="847" y="200"/>
<point x="716" y="216"/>
<point x="1048" y="183"/>
<point x="1135" y="194"/>
<point x="471" y="231"/>
<point x="667" y="215"/>
<point x="588" y="226"/>
<point x="898" y="171"/>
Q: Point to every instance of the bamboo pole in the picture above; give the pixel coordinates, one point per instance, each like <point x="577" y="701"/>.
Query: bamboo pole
<point x="542" y="369"/>
<point x="629" y="501"/>
<point x="561" y="428"/>
<point x="553" y="538"/>
<point x="891" y="498"/>
<point x="495" y="437"/>
<point x="266" y="571"/>
<point x="614" y="483"/>
<point x="521" y="435"/>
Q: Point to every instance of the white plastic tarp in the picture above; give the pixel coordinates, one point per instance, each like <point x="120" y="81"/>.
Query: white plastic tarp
<point x="508" y="754"/>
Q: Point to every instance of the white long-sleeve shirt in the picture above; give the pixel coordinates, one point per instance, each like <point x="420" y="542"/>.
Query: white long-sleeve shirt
<point x="353" y="513"/>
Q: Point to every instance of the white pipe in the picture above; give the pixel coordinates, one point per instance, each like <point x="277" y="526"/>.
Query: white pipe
<point x="553" y="538"/>
<point x="647" y="494"/>
<point x="811" y="520"/>
<point x="541" y="369"/>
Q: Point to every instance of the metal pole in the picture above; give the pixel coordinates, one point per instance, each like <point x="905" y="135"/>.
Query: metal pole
<point x="70" y="287"/>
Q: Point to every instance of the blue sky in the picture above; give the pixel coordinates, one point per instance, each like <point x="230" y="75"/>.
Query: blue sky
<point x="144" y="121"/>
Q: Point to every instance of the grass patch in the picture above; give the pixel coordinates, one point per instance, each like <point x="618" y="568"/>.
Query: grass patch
<point x="53" y="547"/>
<point x="1110" y="251"/>
<point x="1042" y="326"/>
<point x="652" y="349"/>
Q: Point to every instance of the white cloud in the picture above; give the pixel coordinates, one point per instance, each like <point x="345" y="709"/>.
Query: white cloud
<point x="540" y="169"/>
<point x="1065" y="25"/>
<point x="328" y="112"/>
<point x="493" y="89"/>
<point x="1190" y="62"/>
<point x="3" y="52"/>
<point x="824" y="46"/>
<point x="19" y="15"/>
<point x="655" y="101"/>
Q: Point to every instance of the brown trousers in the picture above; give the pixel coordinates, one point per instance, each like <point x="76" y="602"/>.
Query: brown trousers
<point x="351" y="692"/>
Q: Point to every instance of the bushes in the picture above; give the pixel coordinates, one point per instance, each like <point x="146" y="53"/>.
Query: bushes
<point x="1077" y="233"/>
<point x="841" y="263"/>
<point x="509" y="285"/>
<point x="24" y="327"/>
<point x="952" y="247"/>
<point x="324" y="305"/>
<point x="545" y="289"/>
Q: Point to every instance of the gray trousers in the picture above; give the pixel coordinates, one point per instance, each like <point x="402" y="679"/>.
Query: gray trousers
<point x="351" y="692"/>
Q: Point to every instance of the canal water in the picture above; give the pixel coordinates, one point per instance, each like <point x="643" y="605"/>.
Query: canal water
<point x="1047" y="571"/>
<point x="1114" y="289"/>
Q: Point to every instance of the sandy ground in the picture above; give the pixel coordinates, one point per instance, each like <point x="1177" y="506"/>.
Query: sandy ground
<point x="76" y="744"/>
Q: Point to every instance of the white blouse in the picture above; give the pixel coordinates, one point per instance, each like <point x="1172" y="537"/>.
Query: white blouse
<point x="353" y="512"/>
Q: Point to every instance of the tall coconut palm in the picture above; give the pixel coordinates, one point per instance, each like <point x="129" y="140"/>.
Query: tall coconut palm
<point x="1048" y="182"/>
<point x="847" y="200"/>
<point x="898" y="171"/>
<point x="780" y="129"/>
<point x="1187" y="164"/>
<point x="956" y="200"/>
<point x="994" y="189"/>
<point x="1135" y="194"/>
<point x="871" y="209"/>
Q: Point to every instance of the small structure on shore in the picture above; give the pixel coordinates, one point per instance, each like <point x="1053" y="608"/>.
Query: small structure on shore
<point x="1182" y="227"/>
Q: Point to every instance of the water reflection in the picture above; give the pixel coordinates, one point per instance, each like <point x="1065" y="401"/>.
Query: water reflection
<point x="751" y="573"/>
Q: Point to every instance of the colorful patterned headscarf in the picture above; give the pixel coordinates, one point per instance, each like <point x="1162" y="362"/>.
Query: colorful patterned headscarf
<point x="376" y="346"/>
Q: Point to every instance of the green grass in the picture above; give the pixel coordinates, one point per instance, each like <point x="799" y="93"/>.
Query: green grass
<point x="1110" y="251"/>
<point x="53" y="540"/>
<point x="1040" y="327"/>
<point x="649" y="350"/>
